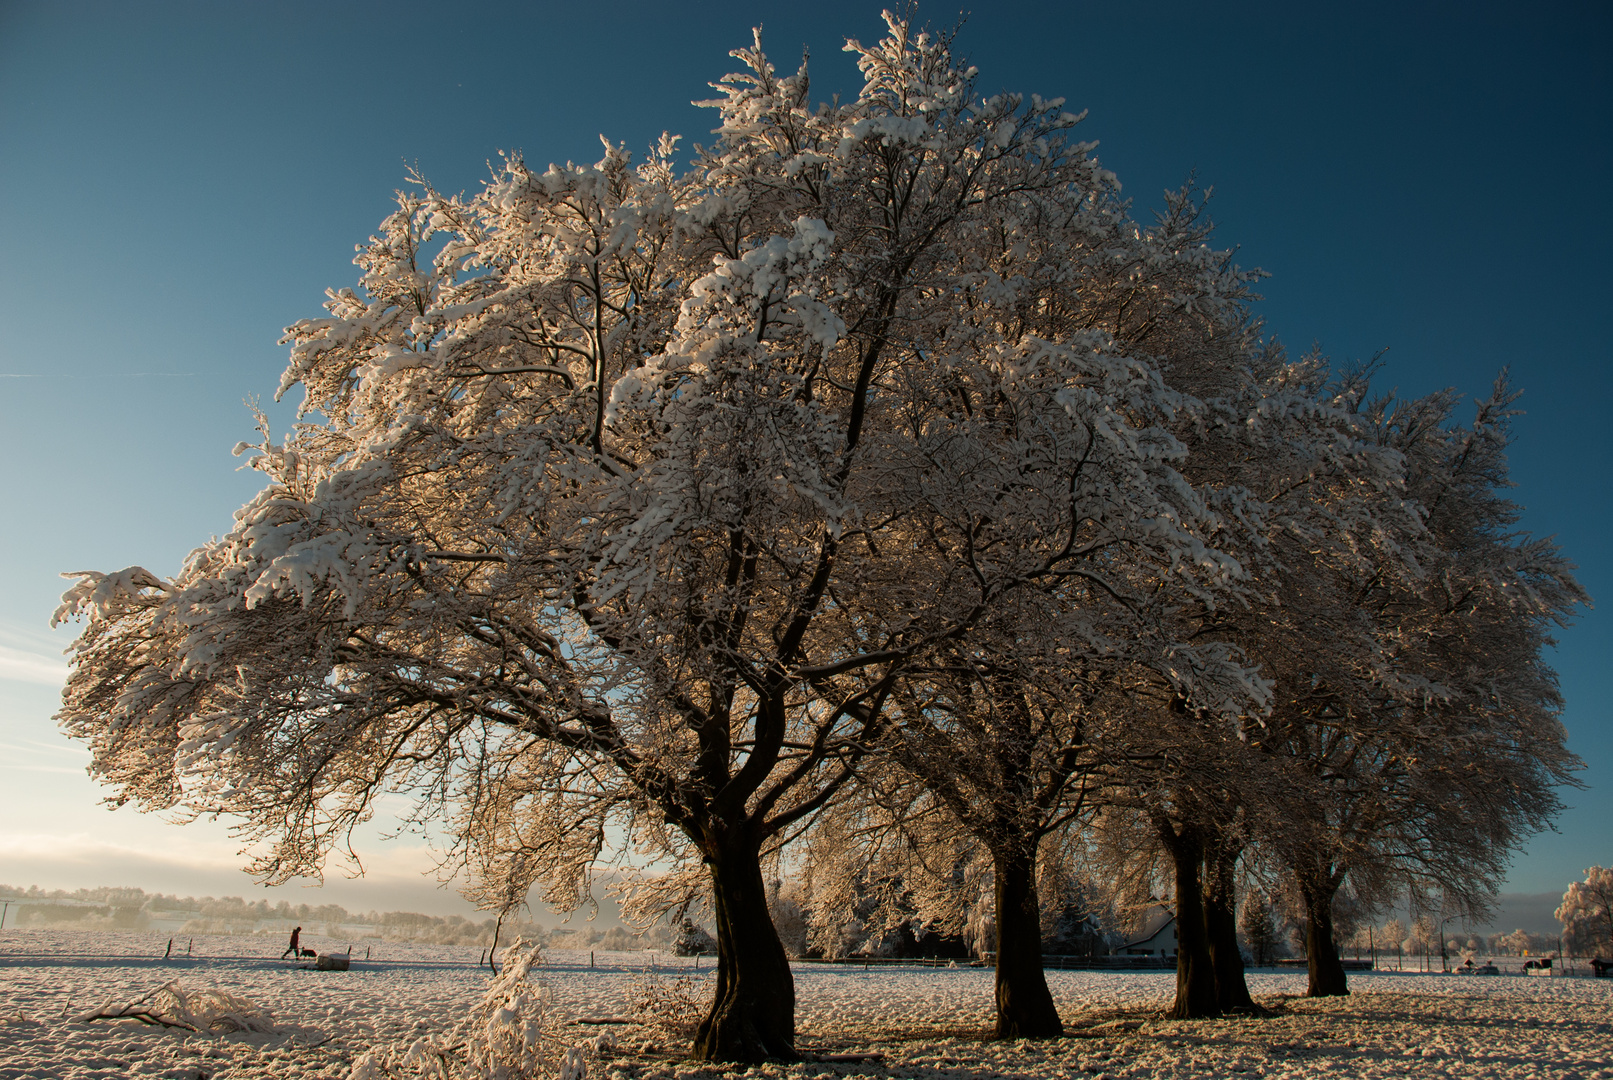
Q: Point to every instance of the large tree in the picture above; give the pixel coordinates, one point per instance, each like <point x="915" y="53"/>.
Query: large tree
<point x="1006" y="754"/>
<point x="1281" y="450"/>
<point x="1003" y="728"/>
<point x="1424" y="743"/>
<point x="625" y="490"/>
<point x="1587" y="912"/>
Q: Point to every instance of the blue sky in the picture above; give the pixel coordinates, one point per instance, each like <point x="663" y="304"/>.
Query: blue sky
<point x="181" y="181"/>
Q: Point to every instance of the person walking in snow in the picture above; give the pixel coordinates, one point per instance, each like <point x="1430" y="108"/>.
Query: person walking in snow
<point x="292" y="949"/>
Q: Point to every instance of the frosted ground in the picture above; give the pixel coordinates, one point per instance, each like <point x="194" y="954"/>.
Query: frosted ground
<point x="921" y="1022"/>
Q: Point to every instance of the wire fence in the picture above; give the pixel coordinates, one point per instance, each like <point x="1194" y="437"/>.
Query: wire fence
<point x="1560" y="967"/>
<point x="1103" y="963"/>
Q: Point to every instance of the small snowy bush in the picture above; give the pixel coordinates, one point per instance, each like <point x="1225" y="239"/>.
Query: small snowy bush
<point x="508" y="1035"/>
<point x="669" y="1008"/>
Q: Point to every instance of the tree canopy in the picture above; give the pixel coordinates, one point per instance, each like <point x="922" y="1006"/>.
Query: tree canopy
<point x="678" y="497"/>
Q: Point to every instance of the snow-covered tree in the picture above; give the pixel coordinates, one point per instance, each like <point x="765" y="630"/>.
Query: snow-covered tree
<point x="785" y="908"/>
<point x="1400" y="624"/>
<point x="1004" y="755"/>
<point x="678" y="499"/>
<point x="1259" y="930"/>
<point x="1077" y="918"/>
<point x="1521" y="943"/>
<point x="1391" y="936"/>
<point x="629" y="493"/>
<point x="1004" y="729"/>
<point x="1288" y="434"/>
<point x="1423" y="741"/>
<point x="693" y="940"/>
<point x="1198" y="819"/>
<point x="1587" y="912"/>
<point x="885" y="866"/>
<point x="1278" y="448"/>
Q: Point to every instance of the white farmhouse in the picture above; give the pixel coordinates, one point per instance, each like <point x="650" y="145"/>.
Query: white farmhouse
<point x="1157" y="937"/>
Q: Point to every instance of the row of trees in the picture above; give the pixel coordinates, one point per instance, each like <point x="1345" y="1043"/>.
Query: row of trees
<point x="864" y="915"/>
<point x="106" y="908"/>
<point x="873" y="492"/>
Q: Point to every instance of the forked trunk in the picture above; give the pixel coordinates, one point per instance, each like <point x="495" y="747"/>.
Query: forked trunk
<point x="1025" y="1007"/>
<point x="1326" y="969"/>
<point x="752" y="1016"/>
<point x="1196" y="996"/>
<point x="1221" y="931"/>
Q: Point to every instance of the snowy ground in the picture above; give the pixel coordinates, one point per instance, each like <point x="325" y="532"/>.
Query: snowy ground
<point x="922" y="1022"/>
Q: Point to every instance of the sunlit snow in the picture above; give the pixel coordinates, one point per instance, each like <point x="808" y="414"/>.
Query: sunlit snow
<point x="921" y="1022"/>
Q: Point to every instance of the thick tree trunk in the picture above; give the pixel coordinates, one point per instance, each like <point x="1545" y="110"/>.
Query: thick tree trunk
<point x="1326" y="970"/>
<point x="752" y="1016"/>
<point x="1221" y="931"/>
<point x="1025" y="1007"/>
<point x="1196" y="996"/>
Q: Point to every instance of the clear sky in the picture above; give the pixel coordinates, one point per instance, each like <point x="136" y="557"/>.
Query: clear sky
<point x="178" y="182"/>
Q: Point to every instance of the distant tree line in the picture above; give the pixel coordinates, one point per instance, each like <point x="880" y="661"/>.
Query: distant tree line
<point x="134" y="909"/>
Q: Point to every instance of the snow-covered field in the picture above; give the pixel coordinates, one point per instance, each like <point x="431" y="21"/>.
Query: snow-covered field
<point x="922" y="1022"/>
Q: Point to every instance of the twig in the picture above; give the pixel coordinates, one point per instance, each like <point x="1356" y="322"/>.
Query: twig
<point x="308" y="1046"/>
<point x="132" y="1011"/>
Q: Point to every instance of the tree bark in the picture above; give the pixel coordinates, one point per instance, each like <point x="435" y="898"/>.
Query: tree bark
<point x="752" y="1016"/>
<point x="1327" y="978"/>
<point x="1196" y="996"/>
<point x="1025" y="1008"/>
<point x="1221" y="930"/>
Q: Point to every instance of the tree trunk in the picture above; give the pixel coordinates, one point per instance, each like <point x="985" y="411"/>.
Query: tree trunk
<point x="1327" y="977"/>
<point x="1196" y="996"/>
<point x="1221" y="931"/>
<point x="752" y="1016"/>
<point x="1025" y="1007"/>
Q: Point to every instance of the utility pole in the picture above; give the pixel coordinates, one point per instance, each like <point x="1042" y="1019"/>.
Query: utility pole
<point x="1411" y="909"/>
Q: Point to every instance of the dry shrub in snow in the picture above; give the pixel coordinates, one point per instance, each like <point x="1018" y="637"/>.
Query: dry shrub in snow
<point x="670" y="1008"/>
<point x="509" y="1035"/>
<point x="208" y="1010"/>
